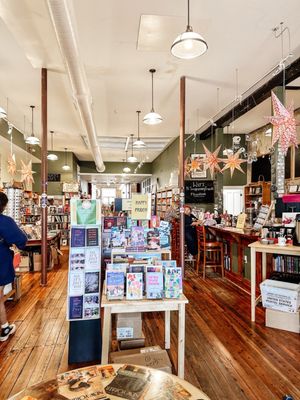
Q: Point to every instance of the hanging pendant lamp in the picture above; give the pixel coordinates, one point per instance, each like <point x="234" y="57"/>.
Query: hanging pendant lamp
<point x="126" y="169"/>
<point x="189" y="44"/>
<point x="139" y="144"/>
<point x="132" y="158"/>
<point x="52" y="156"/>
<point x="66" y="166"/>
<point x="152" y="118"/>
<point x="33" y="140"/>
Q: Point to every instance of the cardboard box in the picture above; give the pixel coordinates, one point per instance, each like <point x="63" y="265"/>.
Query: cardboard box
<point x="37" y="262"/>
<point x="283" y="320"/>
<point x="24" y="264"/>
<point x="281" y="296"/>
<point x="152" y="357"/>
<point x="129" y="326"/>
<point x="132" y="343"/>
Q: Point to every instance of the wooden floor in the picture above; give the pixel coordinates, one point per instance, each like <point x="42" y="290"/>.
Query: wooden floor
<point x="227" y="356"/>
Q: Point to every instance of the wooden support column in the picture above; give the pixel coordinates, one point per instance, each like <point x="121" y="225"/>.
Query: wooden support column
<point x="181" y="169"/>
<point x="44" y="176"/>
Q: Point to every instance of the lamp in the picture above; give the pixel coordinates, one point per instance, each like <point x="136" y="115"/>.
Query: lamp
<point x="33" y="140"/>
<point x="152" y="118"/>
<point x="132" y="158"/>
<point x="189" y="44"/>
<point x="66" y="166"/>
<point x="52" y="156"/>
<point x="139" y="144"/>
<point x="2" y="113"/>
<point x="126" y="169"/>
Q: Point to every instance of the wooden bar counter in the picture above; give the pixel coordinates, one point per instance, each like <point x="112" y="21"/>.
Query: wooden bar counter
<point x="237" y="255"/>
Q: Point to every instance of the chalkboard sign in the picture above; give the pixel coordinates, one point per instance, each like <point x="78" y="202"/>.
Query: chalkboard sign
<point x="53" y="177"/>
<point x="199" y="191"/>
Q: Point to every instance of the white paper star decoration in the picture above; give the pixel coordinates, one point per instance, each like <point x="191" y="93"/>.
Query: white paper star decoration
<point x="212" y="161"/>
<point x="11" y="165"/>
<point x="284" y="125"/>
<point x="233" y="162"/>
<point x="26" y="172"/>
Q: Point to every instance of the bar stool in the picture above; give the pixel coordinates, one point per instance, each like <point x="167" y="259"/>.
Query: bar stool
<point x="213" y="253"/>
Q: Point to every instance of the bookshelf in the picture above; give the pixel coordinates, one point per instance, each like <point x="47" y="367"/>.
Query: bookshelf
<point x="258" y="192"/>
<point x="165" y="198"/>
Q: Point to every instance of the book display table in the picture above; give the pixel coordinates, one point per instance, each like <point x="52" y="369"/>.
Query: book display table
<point x="116" y="252"/>
<point x="265" y="249"/>
<point x="113" y="381"/>
<point x="145" y="305"/>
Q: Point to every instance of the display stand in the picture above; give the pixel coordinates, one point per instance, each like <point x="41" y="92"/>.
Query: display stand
<point x="85" y="341"/>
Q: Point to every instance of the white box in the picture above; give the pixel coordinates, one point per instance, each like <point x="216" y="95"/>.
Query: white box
<point x="281" y="296"/>
<point x="283" y="320"/>
<point x="7" y="288"/>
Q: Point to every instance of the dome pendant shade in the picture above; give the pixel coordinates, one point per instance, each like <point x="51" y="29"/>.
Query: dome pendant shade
<point x="132" y="159"/>
<point x="126" y="170"/>
<point x="139" y="144"/>
<point x="189" y="45"/>
<point x="152" y="118"/>
<point x="52" y="157"/>
<point x="32" y="140"/>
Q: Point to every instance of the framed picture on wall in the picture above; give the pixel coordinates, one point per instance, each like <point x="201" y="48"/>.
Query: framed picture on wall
<point x="199" y="171"/>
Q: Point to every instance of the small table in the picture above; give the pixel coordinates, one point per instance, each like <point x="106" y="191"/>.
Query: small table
<point x="145" y="305"/>
<point x="91" y="382"/>
<point x="35" y="245"/>
<point x="258" y="247"/>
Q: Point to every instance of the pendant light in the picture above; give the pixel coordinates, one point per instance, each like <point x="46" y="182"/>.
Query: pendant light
<point x="52" y="156"/>
<point x="33" y="140"/>
<point x="66" y="166"/>
<point x="132" y="158"/>
<point x="152" y="118"/>
<point x="126" y="169"/>
<point x="139" y="144"/>
<point x="189" y="44"/>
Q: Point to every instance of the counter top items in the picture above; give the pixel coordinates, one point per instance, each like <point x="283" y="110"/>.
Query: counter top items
<point x="114" y="381"/>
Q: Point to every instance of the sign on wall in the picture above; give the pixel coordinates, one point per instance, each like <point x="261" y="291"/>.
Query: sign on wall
<point x="141" y="206"/>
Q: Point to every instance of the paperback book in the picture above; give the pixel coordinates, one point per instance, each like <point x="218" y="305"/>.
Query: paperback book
<point x="77" y="258"/>
<point x="153" y="239"/>
<point x="77" y="237"/>
<point x="93" y="258"/>
<point x="134" y="286"/>
<point x="92" y="236"/>
<point x="92" y="282"/>
<point x="137" y="237"/>
<point x="109" y="222"/>
<point x="172" y="282"/>
<point x="117" y="238"/>
<point x="75" y="307"/>
<point x="115" y="285"/>
<point x="154" y="282"/>
<point x="76" y="283"/>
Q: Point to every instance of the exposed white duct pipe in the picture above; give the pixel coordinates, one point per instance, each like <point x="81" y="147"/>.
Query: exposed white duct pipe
<point x="63" y="20"/>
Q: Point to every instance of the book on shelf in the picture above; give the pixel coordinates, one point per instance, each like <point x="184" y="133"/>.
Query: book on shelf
<point x="172" y="282"/>
<point x="153" y="239"/>
<point x="117" y="267"/>
<point x="154" y="282"/>
<point x="115" y="281"/>
<point x="134" y="286"/>
<point x="117" y="238"/>
<point x="109" y="222"/>
<point x="137" y="237"/>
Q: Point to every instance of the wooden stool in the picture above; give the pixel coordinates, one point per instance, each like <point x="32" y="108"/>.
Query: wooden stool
<point x="213" y="249"/>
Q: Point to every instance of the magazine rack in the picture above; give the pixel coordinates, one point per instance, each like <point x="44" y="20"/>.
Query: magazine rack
<point x="145" y="305"/>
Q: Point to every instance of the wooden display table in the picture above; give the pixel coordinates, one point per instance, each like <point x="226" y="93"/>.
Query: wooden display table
<point x="132" y="306"/>
<point x="258" y="247"/>
<point x="99" y="381"/>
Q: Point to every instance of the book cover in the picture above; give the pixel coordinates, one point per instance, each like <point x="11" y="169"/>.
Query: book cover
<point x="76" y="283"/>
<point x="92" y="236"/>
<point x="144" y="223"/>
<point x="92" y="282"/>
<point x="117" y="267"/>
<point x="134" y="286"/>
<point x="115" y="285"/>
<point x="154" y="285"/>
<point x="131" y="382"/>
<point x="109" y="222"/>
<point x="117" y="238"/>
<point x="168" y="389"/>
<point x="93" y="258"/>
<point x="137" y="236"/>
<point x="91" y="306"/>
<point x="77" y="237"/>
<point x="76" y="307"/>
<point x="86" y="212"/>
<point x="169" y="263"/>
<point x="121" y="222"/>
<point x="41" y="391"/>
<point x="154" y="222"/>
<point x="165" y="241"/>
<point x="153" y="239"/>
<point x="77" y="258"/>
<point x="172" y="282"/>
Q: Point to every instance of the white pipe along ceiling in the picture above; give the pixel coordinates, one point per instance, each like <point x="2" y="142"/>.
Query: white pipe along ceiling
<point x="61" y="12"/>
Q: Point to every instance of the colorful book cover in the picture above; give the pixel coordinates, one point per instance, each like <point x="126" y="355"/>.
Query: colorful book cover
<point x="134" y="286"/>
<point x="76" y="283"/>
<point x="121" y="222"/>
<point x="92" y="282"/>
<point x="109" y="222"/>
<point x="75" y="307"/>
<point x="92" y="236"/>
<point x="164" y="241"/>
<point x="144" y="223"/>
<point x="91" y="306"/>
<point x="153" y="239"/>
<point x="172" y="282"/>
<point x="169" y="263"/>
<point x="43" y="390"/>
<point x="117" y="267"/>
<point x="115" y="285"/>
<point x="154" y="285"/>
<point x="117" y="238"/>
<point x="154" y="222"/>
<point x="145" y="257"/>
<point x="93" y="258"/>
<point x="130" y="383"/>
<point x="77" y="258"/>
<point x="77" y="237"/>
<point x="137" y="236"/>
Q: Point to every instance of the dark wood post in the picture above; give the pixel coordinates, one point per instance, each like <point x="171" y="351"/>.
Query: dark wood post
<point x="44" y="177"/>
<point x="181" y="168"/>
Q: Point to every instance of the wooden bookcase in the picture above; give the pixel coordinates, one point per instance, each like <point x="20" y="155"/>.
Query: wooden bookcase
<point x="258" y="191"/>
<point x="165" y="198"/>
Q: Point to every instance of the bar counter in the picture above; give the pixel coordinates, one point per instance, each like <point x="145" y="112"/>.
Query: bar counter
<point x="237" y="262"/>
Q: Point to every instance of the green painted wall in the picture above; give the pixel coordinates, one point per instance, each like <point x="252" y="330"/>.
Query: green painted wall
<point x="113" y="167"/>
<point x="164" y="164"/>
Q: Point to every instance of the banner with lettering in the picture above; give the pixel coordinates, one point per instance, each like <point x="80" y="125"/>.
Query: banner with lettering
<point x="141" y="206"/>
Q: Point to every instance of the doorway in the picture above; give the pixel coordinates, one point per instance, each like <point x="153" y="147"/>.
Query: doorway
<point x="233" y="199"/>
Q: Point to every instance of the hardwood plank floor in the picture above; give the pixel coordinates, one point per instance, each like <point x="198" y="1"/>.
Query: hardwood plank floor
<point x="227" y="356"/>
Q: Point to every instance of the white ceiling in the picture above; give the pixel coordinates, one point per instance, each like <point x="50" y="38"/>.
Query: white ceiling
<point x="113" y="180"/>
<point x="19" y="153"/>
<point x="119" y="42"/>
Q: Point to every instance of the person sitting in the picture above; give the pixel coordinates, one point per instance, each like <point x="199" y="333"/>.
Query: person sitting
<point x="190" y="222"/>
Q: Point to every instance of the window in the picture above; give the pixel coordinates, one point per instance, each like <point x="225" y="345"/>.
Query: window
<point x="146" y="186"/>
<point x="108" y="195"/>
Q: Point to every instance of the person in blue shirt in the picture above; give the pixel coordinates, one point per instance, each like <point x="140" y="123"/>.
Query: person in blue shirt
<point x="9" y="234"/>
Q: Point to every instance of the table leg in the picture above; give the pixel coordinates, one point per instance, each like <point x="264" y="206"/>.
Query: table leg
<point x="181" y="340"/>
<point x="253" y="283"/>
<point x="264" y="265"/>
<point x="167" y="329"/>
<point x="106" y="335"/>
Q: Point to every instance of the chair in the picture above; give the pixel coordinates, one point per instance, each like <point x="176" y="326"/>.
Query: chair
<point x="213" y="252"/>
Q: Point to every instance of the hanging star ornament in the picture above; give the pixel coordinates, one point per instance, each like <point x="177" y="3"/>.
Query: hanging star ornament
<point x="284" y="125"/>
<point x="11" y="165"/>
<point x="212" y="161"/>
<point x="233" y="162"/>
<point x="187" y="166"/>
<point x="26" y="172"/>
